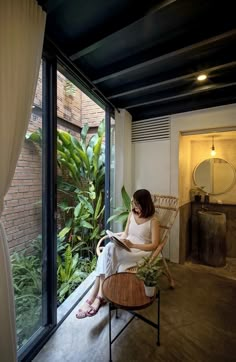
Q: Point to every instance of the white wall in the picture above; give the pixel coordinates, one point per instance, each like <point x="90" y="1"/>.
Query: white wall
<point x="155" y="165"/>
<point x="185" y="179"/>
<point x="123" y="155"/>
<point x="151" y="169"/>
<point x="151" y="166"/>
<point x="123" y="163"/>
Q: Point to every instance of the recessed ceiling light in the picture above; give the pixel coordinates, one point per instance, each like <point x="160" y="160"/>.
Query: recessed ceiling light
<point x="201" y="77"/>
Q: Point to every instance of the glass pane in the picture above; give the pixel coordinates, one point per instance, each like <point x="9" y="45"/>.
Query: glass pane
<point x="23" y="225"/>
<point x="112" y="170"/>
<point x="80" y="180"/>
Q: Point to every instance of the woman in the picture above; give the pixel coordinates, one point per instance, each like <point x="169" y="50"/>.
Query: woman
<point x="141" y="235"/>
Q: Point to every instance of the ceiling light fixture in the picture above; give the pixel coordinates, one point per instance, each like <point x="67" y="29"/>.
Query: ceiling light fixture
<point x="213" y="152"/>
<point x="202" y="77"/>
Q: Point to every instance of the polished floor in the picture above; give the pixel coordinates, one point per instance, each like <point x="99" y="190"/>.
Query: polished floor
<point x="198" y="323"/>
<point x="227" y="271"/>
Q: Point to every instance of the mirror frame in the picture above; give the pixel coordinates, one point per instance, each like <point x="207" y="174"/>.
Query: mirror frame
<point x="218" y="193"/>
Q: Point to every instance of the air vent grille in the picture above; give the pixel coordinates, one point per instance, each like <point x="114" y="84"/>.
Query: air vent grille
<point x="151" y="130"/>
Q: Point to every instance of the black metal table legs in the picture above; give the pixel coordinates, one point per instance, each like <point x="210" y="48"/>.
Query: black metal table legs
<point x="134" y="314"/>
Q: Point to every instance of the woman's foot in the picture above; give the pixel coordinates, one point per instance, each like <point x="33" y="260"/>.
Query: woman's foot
<point x="84" y="309"/>
<point x="95" y="306"/>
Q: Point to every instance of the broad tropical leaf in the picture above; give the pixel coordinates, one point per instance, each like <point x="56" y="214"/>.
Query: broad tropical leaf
<point x="125" y="197"/>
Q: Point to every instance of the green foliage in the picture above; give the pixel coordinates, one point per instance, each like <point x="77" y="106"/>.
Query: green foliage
<point x="71" y="271"/>
<point x="86" y="265"/>
<point x="69" y="274"/>
<point x="149" y="271"/>
<point x="83" y="220"/>
<point x="82" y="182"/>
<point x="84" y="162"/>
<point x="27" y="282"/>
<point x="80" y="185"/>
<point x="35" y="137"/>
<point x="122" y="212"/>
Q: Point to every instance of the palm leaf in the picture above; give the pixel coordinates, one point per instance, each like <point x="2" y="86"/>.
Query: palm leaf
<point x="98" y="206"/>
<point x="101" y="128"/>
<point x="64" y="137"/>
<point x="84" y="132"/>
<point x="125" y="197"/>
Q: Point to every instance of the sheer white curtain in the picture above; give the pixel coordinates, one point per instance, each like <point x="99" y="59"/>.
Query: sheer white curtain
<point x="22" y="24"/>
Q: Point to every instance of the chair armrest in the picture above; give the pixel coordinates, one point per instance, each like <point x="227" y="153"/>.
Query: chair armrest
<point x="99" y="246"/>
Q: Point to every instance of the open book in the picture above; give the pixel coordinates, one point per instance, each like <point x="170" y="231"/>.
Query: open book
<point x="117" y="240"/>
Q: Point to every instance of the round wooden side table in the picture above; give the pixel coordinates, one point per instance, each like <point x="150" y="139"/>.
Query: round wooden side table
<point x="126" y="291"/>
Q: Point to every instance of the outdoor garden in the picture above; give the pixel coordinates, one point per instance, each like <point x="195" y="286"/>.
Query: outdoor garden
<point x="80" y="209"/>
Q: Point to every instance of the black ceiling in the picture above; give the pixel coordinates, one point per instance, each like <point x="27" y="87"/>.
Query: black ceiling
<point x="145" y="57"/>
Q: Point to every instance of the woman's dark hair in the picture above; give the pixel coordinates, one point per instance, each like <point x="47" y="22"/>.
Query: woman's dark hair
<point x="144" y="199"/>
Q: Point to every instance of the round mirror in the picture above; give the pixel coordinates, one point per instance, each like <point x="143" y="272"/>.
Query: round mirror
<point x="214" y="176"/>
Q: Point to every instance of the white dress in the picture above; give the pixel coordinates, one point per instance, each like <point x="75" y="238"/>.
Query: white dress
<point x="113" y="258"/>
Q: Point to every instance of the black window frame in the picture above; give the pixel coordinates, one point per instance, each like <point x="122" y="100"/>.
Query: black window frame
<point x="49" y="202"/>
<point x="53" y="61"/>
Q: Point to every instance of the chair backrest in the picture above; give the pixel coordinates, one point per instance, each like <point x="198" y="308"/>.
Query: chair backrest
<point x="167" y="208"/>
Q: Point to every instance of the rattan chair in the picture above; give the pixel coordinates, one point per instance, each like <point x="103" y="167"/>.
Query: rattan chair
<point x="166" y="209"/>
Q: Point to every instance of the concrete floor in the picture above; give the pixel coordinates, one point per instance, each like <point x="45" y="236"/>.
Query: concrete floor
<point x="198" y="323"/>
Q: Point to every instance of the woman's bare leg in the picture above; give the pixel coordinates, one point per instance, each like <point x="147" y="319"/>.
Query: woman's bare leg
<point x="99" y="292"/>
<point x="85" y="307"/>
<point x="99" y="300"/>
<point x="95" y="289"/>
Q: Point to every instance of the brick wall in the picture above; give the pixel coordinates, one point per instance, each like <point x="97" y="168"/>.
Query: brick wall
<point x="69" y="105"/>
<point x="22" y="212"/>
<point x="77" y="107"/>
<point x="91" y="112"/>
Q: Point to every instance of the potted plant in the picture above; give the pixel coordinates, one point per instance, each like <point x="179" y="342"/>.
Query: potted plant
<point x="149" y="271"/>
<point x="196" y="193"/>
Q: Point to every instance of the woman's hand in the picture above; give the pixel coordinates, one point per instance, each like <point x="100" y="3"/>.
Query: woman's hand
<point x="128" y="243"/>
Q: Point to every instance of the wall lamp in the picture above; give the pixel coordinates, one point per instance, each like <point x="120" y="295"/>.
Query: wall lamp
<point x="213" y="151"/>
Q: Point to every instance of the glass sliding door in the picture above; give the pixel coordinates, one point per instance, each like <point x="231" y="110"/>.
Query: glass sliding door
<point x="80" y="187"/>
<point x="112" y="167"/>
<point x="107" y="165"/>
<point x="22" y="219"/>
<point x="28" y="219"/>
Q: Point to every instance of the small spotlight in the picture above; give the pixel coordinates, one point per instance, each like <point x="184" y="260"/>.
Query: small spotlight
<point x="201" y="77"/>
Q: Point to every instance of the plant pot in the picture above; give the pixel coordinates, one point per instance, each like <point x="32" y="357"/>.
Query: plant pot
<point x="149" y="291"/>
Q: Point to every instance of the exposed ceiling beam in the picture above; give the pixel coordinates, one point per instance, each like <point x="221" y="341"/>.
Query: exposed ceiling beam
<point x="172" y="80"/>
<point x="50" y="6"/>
<point x="120" y="27"/>
<point x="181" y="95"/>
<point x="176" y="107"/>
<point x="169" y="55"/>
